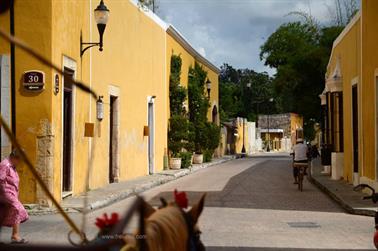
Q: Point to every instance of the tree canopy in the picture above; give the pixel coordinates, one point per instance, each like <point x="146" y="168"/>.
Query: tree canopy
<point x="299" y="52"/>
<point x="244" y="93"/>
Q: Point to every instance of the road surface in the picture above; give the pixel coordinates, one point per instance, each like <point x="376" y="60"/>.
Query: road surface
<point x="251" y="204"/>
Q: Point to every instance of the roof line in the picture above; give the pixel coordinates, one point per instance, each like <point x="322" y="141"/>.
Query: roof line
<point x="171" y="30"/>
<point x="344" y="33"/>
<point x="184" y="43"/>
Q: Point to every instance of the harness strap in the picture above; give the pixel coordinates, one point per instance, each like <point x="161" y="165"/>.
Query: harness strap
<point x="190" y="227"/>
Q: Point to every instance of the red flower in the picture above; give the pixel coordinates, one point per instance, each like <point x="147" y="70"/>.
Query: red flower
<point x="376" y="239"/>
<point x="181" y="199"/>
<point x="106" y="222"/>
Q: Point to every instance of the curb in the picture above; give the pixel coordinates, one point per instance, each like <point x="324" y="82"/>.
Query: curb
<point x="162" y="179"/>
<point x="341" y="202"/>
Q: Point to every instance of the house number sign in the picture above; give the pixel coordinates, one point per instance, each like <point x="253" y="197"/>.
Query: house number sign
<point x="34" y="81"/>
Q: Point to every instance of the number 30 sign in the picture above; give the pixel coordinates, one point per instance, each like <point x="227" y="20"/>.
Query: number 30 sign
<point x="34" y="80"/>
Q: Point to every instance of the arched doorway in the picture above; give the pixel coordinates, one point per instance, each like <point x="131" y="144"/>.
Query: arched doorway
<point x="215" y="114"/>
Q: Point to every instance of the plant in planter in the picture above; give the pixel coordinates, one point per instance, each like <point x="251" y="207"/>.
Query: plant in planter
<point x="177" y="138"/>
<point x="198" y="108"/>
<point x="186" y="159"/>
<point x="178" y="123"/>
<point x="212" y="139"/>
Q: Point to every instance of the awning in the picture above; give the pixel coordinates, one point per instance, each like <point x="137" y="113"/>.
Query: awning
<point x="272" y="130"/>
<point x="323" y="98"/>
<point x="335" y="81"/>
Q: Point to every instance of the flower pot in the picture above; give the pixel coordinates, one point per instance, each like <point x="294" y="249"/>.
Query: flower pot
<point x="175" y="163"/>
<point x="198" y="158"/>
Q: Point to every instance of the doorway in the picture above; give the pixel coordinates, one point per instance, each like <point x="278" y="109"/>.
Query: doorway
<point x="113" y="140"/>
<point x="355" y="129"/>
<point x="151" y="127"/>
<point x="67" y="131"/>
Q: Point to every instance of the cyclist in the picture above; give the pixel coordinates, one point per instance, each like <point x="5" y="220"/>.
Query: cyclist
<point x="300" y="152"/>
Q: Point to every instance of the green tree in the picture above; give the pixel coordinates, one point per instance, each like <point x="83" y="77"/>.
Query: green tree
<point x="178" y="133"/>
<point x="177" y="93"/>
<point x="300" y="53"/>
<point x="244" y="93"/>
<point x="198" y="106"/>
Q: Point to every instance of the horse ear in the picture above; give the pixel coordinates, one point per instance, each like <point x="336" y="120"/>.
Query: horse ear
<point x="197" y="209"/>
<point x="148" y="210"/>
<point x="164" y="203"/>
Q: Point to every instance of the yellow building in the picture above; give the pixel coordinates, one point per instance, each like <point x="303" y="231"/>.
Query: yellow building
<point x="178" y="45"/>
<point x="131" y="74"/>
<point x="349" y="100"/>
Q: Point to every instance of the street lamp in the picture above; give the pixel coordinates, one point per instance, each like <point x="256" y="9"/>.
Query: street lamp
<point x="243" y="151"/>
<point x="100" y="108"/>
<point x="101" y="14"/>
<point x="208" y="87"/>
<point x="268" y="147"/>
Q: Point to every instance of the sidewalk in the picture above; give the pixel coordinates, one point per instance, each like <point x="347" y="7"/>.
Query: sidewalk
<point x="112" y="193"/>
<point x="342" y="192"/>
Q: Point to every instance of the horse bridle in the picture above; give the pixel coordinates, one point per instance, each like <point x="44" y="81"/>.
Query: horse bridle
<point x="194" y="242"/>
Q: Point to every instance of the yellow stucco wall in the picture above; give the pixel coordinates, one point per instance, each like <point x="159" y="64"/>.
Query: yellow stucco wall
<point x="35" y="105"/>
<point x="296" y="122"/>
<point x="133" y="60"/>
<point x="358" y="56"/>
<point x="188" y="60"/>
<point x="135" y="64"/>
<point x="347" y="51"/>
<point x="241" y="138"/>
<point x="368" y="87"/>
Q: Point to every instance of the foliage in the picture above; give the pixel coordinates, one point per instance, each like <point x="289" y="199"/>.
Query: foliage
<point x="300" y="52"/>
<point x="211" y="141"/>
<point x="244" y="93"/>
<point x="186" y="159"/>
<point x="148" y="5"/>
<point x="342" y="12"/>
<point x="207" y="155"/>
<point x="198" y="106"/>
<point x="177" y="93"/>
<point x="178" y="134"/>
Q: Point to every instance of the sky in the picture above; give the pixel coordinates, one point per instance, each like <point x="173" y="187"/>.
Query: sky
<point x="232" y="31"/>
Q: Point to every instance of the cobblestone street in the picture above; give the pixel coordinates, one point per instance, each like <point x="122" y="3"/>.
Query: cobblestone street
<point x="251" y="203"/>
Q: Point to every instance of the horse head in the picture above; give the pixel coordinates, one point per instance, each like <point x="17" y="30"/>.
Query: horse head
<point x="170" y="228"/>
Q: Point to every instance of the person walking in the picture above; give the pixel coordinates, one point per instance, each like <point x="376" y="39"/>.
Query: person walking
<point x="12" y="212"/>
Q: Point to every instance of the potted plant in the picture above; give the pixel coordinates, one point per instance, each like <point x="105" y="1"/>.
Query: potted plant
<point x="178" y="122"/>
<point x="212" y="140"/>
<point x="198" y="138"/>
<point x="198" y="108"/>
<point x="177" y="138"/>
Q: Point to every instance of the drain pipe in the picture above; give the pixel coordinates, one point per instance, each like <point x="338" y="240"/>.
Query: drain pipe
<point x="13" y="65"/>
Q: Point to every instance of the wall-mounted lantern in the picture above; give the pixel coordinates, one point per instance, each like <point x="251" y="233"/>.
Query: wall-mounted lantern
<point x="101" y="14"/>
<point x="208" y="87"/>
<point x="100" y="108"/>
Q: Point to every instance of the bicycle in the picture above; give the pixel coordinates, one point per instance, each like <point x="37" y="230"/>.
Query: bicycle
<point x="301" y="173"/>
<point x="374" y="198"/>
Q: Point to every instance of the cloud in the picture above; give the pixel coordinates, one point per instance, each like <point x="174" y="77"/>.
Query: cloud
<point x="232" y="31"/>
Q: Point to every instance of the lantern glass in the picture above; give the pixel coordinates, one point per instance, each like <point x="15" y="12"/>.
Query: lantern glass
<point x="101" y="13"/>
<point x="208" y="86"/>
<point x="100" y="109"/>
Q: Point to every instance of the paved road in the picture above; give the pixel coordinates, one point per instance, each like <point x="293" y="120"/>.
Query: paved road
<point x="251" y="205"/>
